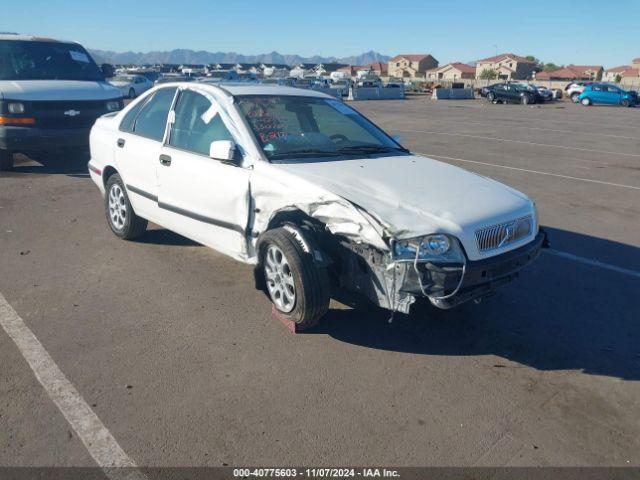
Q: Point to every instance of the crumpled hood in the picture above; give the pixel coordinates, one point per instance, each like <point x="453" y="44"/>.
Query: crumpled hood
<point x="414" y="195"/>
<point x="120" y="83"/>
<point x="34" y="90"/>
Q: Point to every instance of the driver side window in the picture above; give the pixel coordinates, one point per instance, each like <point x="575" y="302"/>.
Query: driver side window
<point x="194" y="128"/>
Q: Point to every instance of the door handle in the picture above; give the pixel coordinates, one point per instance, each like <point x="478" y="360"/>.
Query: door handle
<point x="121" y="142"/>
<point x="165" y="160"/>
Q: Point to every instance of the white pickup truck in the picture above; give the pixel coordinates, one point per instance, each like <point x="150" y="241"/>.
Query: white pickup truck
<point x="312" y="193"/>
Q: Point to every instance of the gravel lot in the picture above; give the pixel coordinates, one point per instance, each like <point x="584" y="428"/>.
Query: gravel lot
<point x="180" y="358"/>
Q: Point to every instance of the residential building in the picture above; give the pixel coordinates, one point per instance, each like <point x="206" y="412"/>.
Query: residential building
<point x="378" y="68"/>
<point x="508" y="66"/>
<point x="452" y="72"/>
<point x="411" y="66"/>
<point x="573" y="72"/>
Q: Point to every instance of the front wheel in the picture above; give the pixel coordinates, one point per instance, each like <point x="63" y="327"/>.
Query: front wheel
<point x="298" y="288"/>
<point x="6" y="161"/>
<point x="575" y="97"/>
<point x="525" y="100"/>
<point x="491" y="97"/>
<point x="586" y="102"/>
<point x="120" y="215"/>
<point x="132" y="93"/>
<point x="626" y="103"/>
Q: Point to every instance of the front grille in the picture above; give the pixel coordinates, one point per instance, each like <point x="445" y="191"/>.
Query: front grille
<point x="498" y="236"/>
<point x="79" y="114"/>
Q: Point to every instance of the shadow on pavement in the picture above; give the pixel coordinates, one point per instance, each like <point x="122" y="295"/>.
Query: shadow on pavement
<point x="560" y="315"/>
<point x="73" y="164"/>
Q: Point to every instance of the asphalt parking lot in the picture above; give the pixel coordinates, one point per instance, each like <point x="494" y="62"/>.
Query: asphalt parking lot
<point x="180" y="359"/>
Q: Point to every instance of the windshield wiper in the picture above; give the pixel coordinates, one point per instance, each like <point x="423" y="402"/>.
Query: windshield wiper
<point x="372" y="149"/>
<point x="305" y="151"/>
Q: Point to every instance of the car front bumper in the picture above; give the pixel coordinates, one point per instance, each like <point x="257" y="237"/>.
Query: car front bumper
<point x="29" y="139"/>
<point x="447" y="286"/>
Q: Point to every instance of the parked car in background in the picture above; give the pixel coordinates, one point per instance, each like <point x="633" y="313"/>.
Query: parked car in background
<point x="131" y="85"/>
<point x="574" y="89"/>
<point x="522" y="93"/>
<point x="51" y="93"/>
<point x="545" y="93"/>
<point x="289" y="181"/>
<point x="607" y="94"/>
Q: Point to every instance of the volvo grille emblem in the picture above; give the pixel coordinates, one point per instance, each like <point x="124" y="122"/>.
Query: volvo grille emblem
<point x="72" y="113"/>
<point x="508" y="234"/>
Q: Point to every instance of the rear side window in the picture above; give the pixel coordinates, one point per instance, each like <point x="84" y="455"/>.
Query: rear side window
<point x="152" y="118"/>
<point x="127" y="122"/>
<point x="195" y="128"/>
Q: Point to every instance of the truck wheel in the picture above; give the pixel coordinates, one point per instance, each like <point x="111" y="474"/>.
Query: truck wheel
<point x="120" y="215"/>
<point x="6" y="160"/>
<point x="297" y="287"/>
<point x="586" y="102"/>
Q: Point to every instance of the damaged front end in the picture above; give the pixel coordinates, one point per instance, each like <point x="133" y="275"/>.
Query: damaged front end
<point x="433" y="266"/>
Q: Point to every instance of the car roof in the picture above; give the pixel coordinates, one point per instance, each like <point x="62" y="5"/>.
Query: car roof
<point x="238" y="89"/>
<point x="31" y="38"/>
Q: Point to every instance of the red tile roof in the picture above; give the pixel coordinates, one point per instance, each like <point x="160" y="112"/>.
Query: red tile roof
<point x="411" y="57"/>
<point x="501" y="57"/>
<point x="570" y="71"/>
<point x="619" y="69"/>
<point x="631" y="72"/>
<point x="377" y="66"/>
<point x="636" y="60"/>
<point x="463" y="67"/>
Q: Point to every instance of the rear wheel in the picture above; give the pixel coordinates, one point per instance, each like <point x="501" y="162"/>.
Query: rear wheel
<point x="120" y="215"/>
<point x="6" y="160"/>
<point x="298" y="288"/>
<point x="586" y="102"/>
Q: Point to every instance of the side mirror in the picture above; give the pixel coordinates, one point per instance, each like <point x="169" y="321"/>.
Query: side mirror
<point x="107" y="70"/>
<point x="396" y="138"/>
<point x="224" y="151"/>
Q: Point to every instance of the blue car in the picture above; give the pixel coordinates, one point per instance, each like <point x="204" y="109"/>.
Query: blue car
<point x="607" y="94"/>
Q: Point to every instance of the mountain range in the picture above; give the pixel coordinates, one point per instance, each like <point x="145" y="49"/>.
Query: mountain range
<point x="184" y="56"/>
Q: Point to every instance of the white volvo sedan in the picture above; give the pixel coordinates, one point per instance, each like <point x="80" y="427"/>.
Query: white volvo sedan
<point x="315" y="196"/>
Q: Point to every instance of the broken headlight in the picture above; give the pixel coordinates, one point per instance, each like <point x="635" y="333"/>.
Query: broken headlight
<point x="437" y="248"/>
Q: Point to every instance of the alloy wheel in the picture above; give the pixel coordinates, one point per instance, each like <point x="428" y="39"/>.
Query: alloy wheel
<point x="279" y="279"/>
<point x="117" y="207"/>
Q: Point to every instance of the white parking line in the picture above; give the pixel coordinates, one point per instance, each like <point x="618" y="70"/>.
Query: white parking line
<point x="611" y="184"/>
<point x="524" y="142"/>
<point x="96" y="438"/>
<point x="593" y="263"/>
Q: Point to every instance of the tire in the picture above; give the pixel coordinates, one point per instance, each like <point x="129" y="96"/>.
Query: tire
<point x="625" y="103"/>
<point x="6" y="161"/>
<point x="298" y="288"/>
<point x="586" y="102"/>
<point x="525" y="100"/>
<point x="575" y="97"/>
<point x="122" y="220"/>
<point x="132" y="93"/>
<point x="491" y="97"/>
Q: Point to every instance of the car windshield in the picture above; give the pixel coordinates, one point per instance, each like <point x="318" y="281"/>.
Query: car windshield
<point x="40" y="60"/>
<point x="298" y="128"/>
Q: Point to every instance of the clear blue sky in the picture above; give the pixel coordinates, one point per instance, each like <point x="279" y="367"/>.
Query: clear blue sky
<point x="561" y="31"/>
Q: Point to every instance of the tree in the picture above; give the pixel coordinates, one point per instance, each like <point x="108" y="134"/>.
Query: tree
<point x="488" y="74"/>
<point x="550" y="67"/>
<point x="618" y="78"/>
